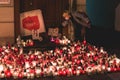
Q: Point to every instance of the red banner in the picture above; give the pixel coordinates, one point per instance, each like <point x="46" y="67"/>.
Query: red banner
<point x="31" y="23"/>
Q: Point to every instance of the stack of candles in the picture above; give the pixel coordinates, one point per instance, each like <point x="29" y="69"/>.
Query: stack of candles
<point x="77" y="58"/>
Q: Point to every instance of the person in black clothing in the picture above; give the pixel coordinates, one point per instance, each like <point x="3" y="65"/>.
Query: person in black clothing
<point x="81" y="22"/>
